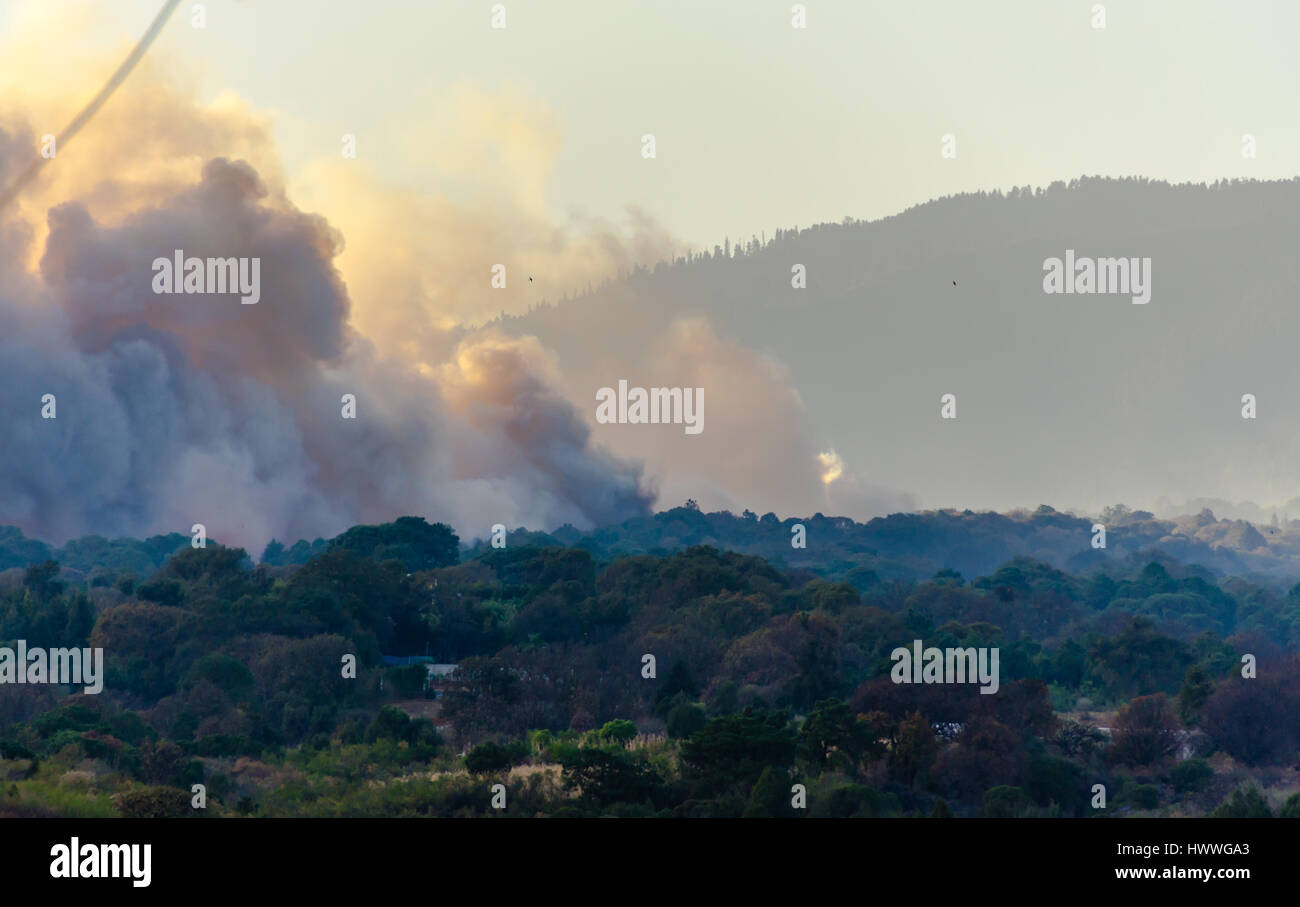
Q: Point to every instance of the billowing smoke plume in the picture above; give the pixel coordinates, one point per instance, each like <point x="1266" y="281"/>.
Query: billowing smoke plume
<point x="181" y="409"/>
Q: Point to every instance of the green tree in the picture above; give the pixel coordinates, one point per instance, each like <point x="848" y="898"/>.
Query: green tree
<point x="678" y="680"/>
<point x="1146" y="731"/>
<point x="393" y="724"/>
<point x="1291" y="808"/>
<point x="162" y="762"/>
<point x="1244" y="803"/>
<point x="832" y="736"/>
<point x="1195" y="691"/>
<point x="492" y="758"/>
<point x="731" y="751"/>
<point x="914" y="751"/>
<point x="81" y="620"/>
<point x="685" y="719"/>
<point x="725" y="698"/>
<point x="1006" y="802"/>
<point x="228" y="674"/>
<point x="409" y="539"/>
<point x="619" y="730"/>
<point x="1190" y="775"/>
<point x="605" y="777"/>
<point x="41" y="581"/>
<point x="155" y="803"/>
<point x="770" y="798"/>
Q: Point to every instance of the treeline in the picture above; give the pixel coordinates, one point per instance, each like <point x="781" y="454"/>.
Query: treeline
<point x="697" y="682"/>
<point x="911" y="547"/>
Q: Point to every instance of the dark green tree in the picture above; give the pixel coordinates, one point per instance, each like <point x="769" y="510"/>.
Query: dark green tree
<point x="492" y="758"/>
<point x="730" y="752"/>
<point x="409" y="539"/>
<point x="605" y="777"/>
<point x="1244" y="803"/>
<point x="914" y="750"/>
<point x="832" y="736"/>
<point x="770" y="798"/>
<point x="1195" y="691"/>
<point x="685" y="719"/>
<point x="678" y="680"/>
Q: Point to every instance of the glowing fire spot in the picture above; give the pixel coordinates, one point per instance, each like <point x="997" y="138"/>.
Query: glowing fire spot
<point x="832" y="466"/>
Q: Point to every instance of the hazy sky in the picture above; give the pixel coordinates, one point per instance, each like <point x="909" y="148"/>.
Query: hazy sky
<point x="842" y="118"/>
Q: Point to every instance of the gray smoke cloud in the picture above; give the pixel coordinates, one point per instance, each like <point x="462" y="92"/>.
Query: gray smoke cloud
<point x="182" y="409"/>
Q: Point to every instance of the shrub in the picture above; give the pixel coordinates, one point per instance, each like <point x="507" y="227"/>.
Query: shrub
<point x="1190" y="775"/>
<point x="1142" y="796"/>
<point x="1006" y="802"/>
<point x="1245" y="803"/>
<point x="154" y="803"/>
<point x="492" y="758"/>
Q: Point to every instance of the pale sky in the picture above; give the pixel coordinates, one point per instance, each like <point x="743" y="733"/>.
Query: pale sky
<point x="759" y="125"/>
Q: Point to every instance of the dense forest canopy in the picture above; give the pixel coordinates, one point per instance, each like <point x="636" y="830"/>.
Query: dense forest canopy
<point x="684" y="664"/>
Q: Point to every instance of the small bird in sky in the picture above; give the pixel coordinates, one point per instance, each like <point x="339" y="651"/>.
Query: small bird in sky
<point x="954" y="283"/>
<point x="530" y="280"/>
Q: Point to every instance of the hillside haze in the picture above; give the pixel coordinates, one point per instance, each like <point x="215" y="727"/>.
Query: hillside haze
<point x="1078" y="400"/>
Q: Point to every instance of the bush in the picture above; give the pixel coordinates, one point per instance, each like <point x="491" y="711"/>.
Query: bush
<point x="609" y="776"/>
<point x="1146" y="731"/>
<point x="492" y="758"/>
<point x="217" y="745"/>
<point x="154" y="803"/>
<point x="391" y="724"/>
<point x="1254" y="721"/>
<point x="1245" y="803"/>
<point x="1190" y="775"/>
<point x="165" y="592"/>
<point x="854" y="801"/>
<point x="1291" y="808"/>
<point x="685" y="719"/>
<point x="1142" y="796"/>
<point x="620" y="731"/>
<point x="1006" y="802"/>
<point x="1057" y="781"/>
<point x="408" y="680"/>
<point x="227" y="674"/>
